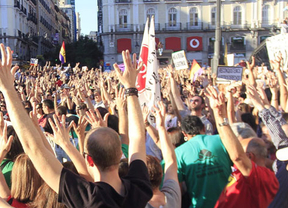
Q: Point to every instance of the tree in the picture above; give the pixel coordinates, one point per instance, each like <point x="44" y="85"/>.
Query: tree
<point x="84" y="51"/>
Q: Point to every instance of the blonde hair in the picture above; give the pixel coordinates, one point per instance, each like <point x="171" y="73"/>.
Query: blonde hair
<point x="25" y="180"/>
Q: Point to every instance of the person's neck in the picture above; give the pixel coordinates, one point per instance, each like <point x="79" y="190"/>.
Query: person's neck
<point x="260" y="162"/>
<point x="196" y="113"/>
<point x="50" y="111"/>
<point x="157" y="199"/>
<point x="112" y="178"/>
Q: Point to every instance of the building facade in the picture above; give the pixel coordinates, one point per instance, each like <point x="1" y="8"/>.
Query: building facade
<point x="188" y="25"/>
<point x="68" y="6"/>
<point x="32" y="27"/>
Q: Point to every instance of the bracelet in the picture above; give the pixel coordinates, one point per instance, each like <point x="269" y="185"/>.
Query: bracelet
<point x="131" y="92"/>
<point x="147" y="123"/>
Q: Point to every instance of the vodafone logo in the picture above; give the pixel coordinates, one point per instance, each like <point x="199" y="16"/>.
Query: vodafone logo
<point x="194" y="43"/>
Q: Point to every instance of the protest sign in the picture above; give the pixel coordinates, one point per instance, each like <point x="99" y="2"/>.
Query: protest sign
<point x="229" y="73"/>
<point x="33" y="61"/>
<point x="277" y="45"/>
<point x="179" y="59"/>
<point x="230" y="59"/>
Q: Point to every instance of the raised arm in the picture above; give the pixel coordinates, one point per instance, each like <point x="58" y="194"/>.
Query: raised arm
<point x="251" y="74"/>
<point x="123" y="116"/>
<point x="281" y="80"/>
<point x="229" y="140"/>
<point x="62" y="138"/>
<point x="44" y="161"/>
<point x="166" y="146"/>
<point x="137" y="149"/>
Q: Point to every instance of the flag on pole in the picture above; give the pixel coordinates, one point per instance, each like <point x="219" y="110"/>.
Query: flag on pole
<point x="225" y="55"/>
<point x="152" y="78"/>
<point x="194" y="68"/>
<point x="143" y="57"/>
<point x="62" y="54"/>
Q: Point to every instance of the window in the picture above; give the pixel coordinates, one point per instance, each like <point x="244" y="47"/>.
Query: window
<point x="193" y="16"/>
<point x="237" y="15"/>
<point x="150" y="13"/>
<point x="213" y="16"/>
<point x="123" y="18"/>
<point x="172" y="13"/>
<point x="266" y="14"/>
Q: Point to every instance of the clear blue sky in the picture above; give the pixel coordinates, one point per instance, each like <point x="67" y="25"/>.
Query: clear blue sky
<point x="88" y="15"/>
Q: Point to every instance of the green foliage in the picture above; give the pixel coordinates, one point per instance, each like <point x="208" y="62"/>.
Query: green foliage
<point x="84" y="51"/>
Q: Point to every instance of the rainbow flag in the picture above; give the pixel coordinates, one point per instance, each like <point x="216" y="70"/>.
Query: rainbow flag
<point x="62" y="54"/>
<point x="194" y="68"/>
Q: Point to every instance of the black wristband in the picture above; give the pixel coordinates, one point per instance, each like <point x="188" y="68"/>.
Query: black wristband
<point x="131" y="92"/>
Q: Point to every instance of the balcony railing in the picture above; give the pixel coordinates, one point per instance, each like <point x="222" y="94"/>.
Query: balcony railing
<point x="267" y="23"/>
<point x="173" y="26"/>
<point x="124" y="28"/>
<point x="173" y="0"/>
<point x="17" y="4"/>
<point x="151" y="0"/>
<point x="123" y="1"/>
<point x="194" y="26"/>
<point x="32" y="18"/>
<point x="237" y="48"/>
<point x="157" y="27"/>
<point x="239" y="25"/>
<point x="34" y="2"/>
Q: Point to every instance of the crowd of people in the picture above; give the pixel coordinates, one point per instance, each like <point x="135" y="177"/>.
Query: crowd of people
<point x="78" y="137"/>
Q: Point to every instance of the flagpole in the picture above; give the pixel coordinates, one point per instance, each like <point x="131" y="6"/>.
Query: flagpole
<point x="217" y="42"/>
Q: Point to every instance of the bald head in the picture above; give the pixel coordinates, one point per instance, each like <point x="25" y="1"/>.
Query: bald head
<point x="256" y="146"/>
<point x="104" y="146"/>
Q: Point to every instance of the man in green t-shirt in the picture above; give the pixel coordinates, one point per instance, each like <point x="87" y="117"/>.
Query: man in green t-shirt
<point x="203" y="163"/>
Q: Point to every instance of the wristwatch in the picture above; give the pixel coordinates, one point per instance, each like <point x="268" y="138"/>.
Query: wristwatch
<point x="225" y="123"/>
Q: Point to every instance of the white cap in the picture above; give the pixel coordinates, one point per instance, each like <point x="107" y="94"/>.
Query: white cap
<point x="282" y="154"/>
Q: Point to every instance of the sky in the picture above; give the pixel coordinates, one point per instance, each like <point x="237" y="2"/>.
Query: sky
<point x="88" y="15"/>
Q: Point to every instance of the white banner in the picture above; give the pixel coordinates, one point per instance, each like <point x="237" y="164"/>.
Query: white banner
<point x="276" y="45"/>
<point x="152" y="78"/>
<point x="179" y="59"/>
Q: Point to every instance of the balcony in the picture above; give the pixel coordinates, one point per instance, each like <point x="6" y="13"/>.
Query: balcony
<point x="123" y="1"/>
<point x="267" y="24"/>
<point x="124" y="28"/>
<point x="172" y="26"/>
<point x="157" y="27"/>
<point x="236" y="48"/>
<point x="190" y="26"/>
<point x="17" y="4"/>
<point x="32" y="17"/>
<point x="239" y="25"/>
<point x="148" y="1"/>
<point x="34" y="2"/>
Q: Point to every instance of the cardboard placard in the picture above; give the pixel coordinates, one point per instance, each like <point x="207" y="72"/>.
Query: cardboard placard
<point x="33" y="61"/>
<point x="229" y="73"/>
<point x="179" y="59"/>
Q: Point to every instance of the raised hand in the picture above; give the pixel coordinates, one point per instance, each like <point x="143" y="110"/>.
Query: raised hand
<point x="128" y="77"/>
<point x="60" y="131"/>
<point x="5" y="144"/>
<point x="145" y="113"/>
<point x="120" y="98"/>
<point x="217" y="101"/>
<point x="251" y="66"/>
<point x="6" y="73"/>
<point x="96" y="119"/>
<point x="160" y="113"/>
<point x="254" y="96"/>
